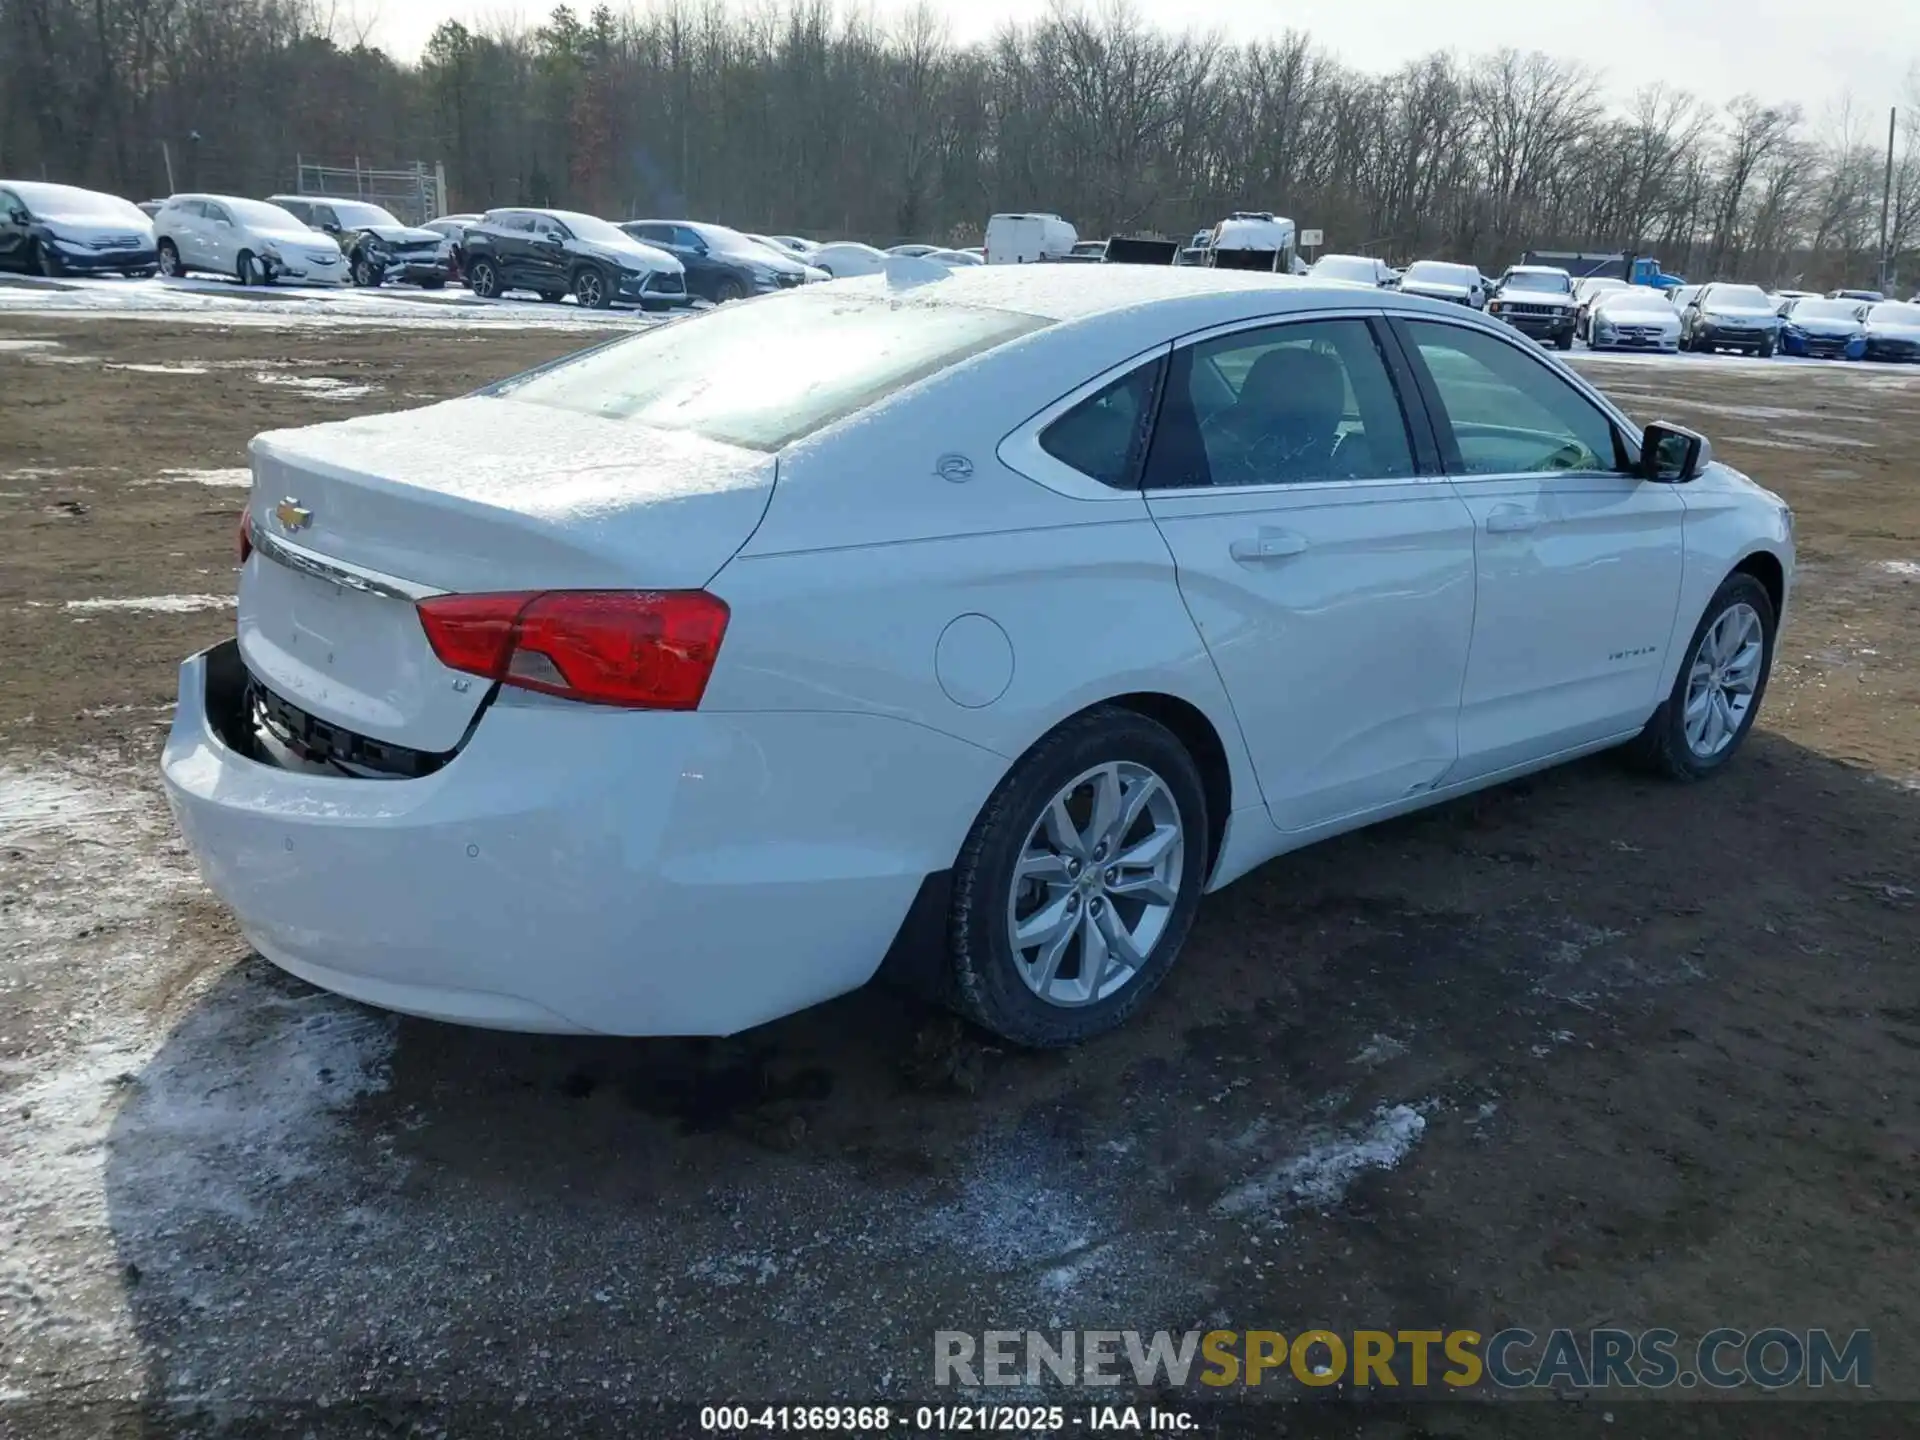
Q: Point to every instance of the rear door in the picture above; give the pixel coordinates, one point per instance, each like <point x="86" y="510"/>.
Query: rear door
<point x="1577" y="559"/>
<point x="547" y="256"/>
<point x="219" y="240"/>
<point x="13" y="231"/>
<point x="1325" y="562"/>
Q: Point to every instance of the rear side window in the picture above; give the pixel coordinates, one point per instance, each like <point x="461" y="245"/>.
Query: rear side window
<point x="1103" y="435"/>
<point x="764" y="373"/>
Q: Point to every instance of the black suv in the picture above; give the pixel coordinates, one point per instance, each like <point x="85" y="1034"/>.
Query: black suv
<point x="377" y="246"/>
<point x="562" y="252"/>
<point x="721" y="264"/>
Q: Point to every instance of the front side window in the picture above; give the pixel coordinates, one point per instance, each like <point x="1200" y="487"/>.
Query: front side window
<point x="1280" y="405"/>
<point x="1102" y="436"/>
<point x="765" y="373"/>
<point x="1509" y="413"/>
<point x="323" y="216"/>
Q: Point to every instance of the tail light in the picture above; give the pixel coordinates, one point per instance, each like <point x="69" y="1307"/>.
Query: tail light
<point x="243" y="533"/>
<point x="646" y="649"/>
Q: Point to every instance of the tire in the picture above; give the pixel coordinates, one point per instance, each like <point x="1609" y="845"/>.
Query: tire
<point x="1765" y="351"/>
<point x="367" y="275"/>
<point x="145" y="273"/>
<point x="1664" y="747"/>
<point x="48" y="263"/>
<point x="988" y="982"/>
<point x="484" y="280"/>
<point x="728" y="289"/>
<point x="591" y="289"/>
<point x="249" y="269"/>
<point x="170" y="265"/>
<point x="1563" y="341"/>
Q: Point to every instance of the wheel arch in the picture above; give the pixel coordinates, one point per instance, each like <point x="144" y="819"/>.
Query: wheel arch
<point x="1766" y="567"/>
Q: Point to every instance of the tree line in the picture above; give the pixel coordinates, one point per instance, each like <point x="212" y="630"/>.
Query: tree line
<point x="798" y="117"/>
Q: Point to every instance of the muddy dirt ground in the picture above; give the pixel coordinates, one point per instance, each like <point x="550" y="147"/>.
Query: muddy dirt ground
<point x="1584" y="1050"/>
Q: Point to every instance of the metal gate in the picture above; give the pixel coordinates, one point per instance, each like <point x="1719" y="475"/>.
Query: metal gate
<point x="415" y="194"/>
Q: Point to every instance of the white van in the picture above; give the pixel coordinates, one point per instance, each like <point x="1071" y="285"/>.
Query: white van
<point x="1024" y="239"/>
<point x="1253" y="240"/>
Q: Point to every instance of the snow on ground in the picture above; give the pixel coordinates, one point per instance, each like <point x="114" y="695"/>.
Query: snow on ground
<point x="159" y="604"/>
<point x="226" y="302"/>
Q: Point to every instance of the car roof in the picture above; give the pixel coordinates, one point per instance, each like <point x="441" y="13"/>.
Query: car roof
<point x="1537" y="270"/>
<point x="1076" y="292"/>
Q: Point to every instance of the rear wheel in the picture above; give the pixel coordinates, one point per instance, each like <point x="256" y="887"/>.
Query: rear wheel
<point x="170" y="265"/>
<point x="590" y="289"/>
<point x="1078" y="883"/>
<point x="1716" y="696"/>
<point x="728" y="289"/>
<point x="483" y="278"/>
<point x="246" y="269"/>
<point x="1564" y="340"/>
<point x="1765" y="352"/>
<point x="434" y="283"/>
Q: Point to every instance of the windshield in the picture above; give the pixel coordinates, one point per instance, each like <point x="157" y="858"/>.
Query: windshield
<point x="765" y="373"/>
<point x="1345" y="267"/>
<point x="593" y="230"/>
<point x="358" y="212"/>
<point x="1438" y="272"/>
<point x="63" y="202"/>
<point x="1825" y="310"/>
<point x="1895" y="312"/>
<point x="1747" y="297"/>
<point x="258" y="215"/>
<point x="1539" y="280"/>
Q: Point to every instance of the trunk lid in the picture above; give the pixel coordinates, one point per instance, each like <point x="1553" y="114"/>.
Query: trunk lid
<point x="356" y="520"/>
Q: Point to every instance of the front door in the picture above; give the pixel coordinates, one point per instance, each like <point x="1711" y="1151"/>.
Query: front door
<point x="13" y="231"/>
<point x="1578" y="559"/>
<point x="1330" y="579"/>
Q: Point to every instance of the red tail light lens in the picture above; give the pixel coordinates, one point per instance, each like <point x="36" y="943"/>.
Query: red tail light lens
<point x="243" y="535"/>
<point x="648" y="649"/>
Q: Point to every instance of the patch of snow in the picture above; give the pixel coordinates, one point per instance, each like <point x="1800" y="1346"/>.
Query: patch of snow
<point x="158" y="369"/>
<point x="321" y="387"/>
<point x="237" y="477"/>
<point x="41" y="358"/>
<point x="29" y="345"/>
<point x="164" y="604"/>
<point x="1319" y="1177"/>
<point x="1380" y="1049"/>
<point x="1907" y="568"/>
<point x="1764" y="443"/>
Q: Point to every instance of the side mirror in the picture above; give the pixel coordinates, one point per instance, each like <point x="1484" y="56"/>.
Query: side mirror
<point x="1672" y="453"/>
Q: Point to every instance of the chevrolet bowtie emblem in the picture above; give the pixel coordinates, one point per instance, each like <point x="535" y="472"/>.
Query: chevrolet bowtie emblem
<point x="292" y="515"/>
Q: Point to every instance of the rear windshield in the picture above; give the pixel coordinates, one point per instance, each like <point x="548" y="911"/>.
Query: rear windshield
<point x="763" y="373"/>
<point x="1440" y="272"/>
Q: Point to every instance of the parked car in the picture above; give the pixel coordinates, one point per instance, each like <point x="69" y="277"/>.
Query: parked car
<point x="1681" y="296"/>
<point x="1354" y="269"/>
<point x="150" y="208"/>
<point x="563" y="252"/>
<point x="795" y="245"/>
<point x="721" y="264"/>
<point x="1632" y="317"/>
<point x="1813" y="325"/>
<point x="672" y="687"/>
<point x="1893" y="331"/>
<point x="377" y="246"/>
<point x="1787" y="297"/>
<point x="1441" y="280"/>
<point x="1086" y="252"/>
<point x="954" y="257"/>
<point x="1871" y="297"/>
<point x="253" y="241"/>
<point x="913" y="251"/>
<point x="1723" y="316"/>
<point x="844" y="258"/>
<point x="54" y="229"/>
<point x="1585" y="291"/>
<point x="452" y="230"/>
<point x="1537" y="300"/>
<point x="1253" y="240"/>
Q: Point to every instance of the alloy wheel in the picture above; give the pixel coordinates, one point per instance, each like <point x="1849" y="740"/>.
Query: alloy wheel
<point x="1095" y="884"/>
<point x="589" y="289"/>
<point x="1723" y="680"/>
<point x="483" y="282"/>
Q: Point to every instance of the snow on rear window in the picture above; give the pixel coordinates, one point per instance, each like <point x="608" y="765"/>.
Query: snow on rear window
<point x="763" y="373"/>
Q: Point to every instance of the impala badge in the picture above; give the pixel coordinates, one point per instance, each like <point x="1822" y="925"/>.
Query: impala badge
<point x="292" y="515"/>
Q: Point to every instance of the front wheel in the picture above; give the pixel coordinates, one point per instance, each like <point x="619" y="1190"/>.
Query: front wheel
<point x="1716" y="696"/>
<point x="590" y="289"/>
<point x="728" y="289"/>
<point x="366" y="274"/>
<point x="1766" y="349"/>
<point x="1078" y="883"/>
<point x="251" y="269"/>
<point x="170" y="265"/>
<point x="1564" y="341"/>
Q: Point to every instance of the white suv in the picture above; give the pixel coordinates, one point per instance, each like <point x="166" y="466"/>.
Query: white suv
<point x="253" y="241"/>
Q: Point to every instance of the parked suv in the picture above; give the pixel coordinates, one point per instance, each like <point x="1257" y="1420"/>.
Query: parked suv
<point x="562" y="252"/>
<point x="56" y="228"/>
<point x="1730" y="317"/>
<point x="377" y="246"/>
<point x="1537" y="300"/>
<point x="257" y="242"/>
<point x="721" y="264"/>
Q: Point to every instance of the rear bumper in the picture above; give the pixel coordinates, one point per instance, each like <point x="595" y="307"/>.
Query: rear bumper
<point x="581" y="869"/>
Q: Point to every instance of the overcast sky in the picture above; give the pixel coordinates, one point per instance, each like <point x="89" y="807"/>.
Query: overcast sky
<point x="1796" y="50"/>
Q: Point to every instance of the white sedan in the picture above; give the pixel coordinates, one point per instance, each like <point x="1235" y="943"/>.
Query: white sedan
<point x="1633" y="317"/>
<point x="972" y="621"/>
<point x="845" y="259"/>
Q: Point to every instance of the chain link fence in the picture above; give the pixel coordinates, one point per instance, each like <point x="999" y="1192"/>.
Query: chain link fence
<point x="415" y="193"/>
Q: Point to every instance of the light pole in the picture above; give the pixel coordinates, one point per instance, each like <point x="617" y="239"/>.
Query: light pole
<point x="1886" y="202"/>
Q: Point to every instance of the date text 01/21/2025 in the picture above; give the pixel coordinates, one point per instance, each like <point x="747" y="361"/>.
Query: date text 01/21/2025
<point x="943" y="1419"/>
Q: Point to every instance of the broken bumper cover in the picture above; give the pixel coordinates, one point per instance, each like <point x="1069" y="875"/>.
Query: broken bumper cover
<point x="576" y="868"/>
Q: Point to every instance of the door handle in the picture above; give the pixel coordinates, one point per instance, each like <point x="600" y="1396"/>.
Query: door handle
<point x="1267" y="545"/>
<point x="1511" y="520"/>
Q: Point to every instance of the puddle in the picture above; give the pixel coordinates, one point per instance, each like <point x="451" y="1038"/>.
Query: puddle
<point x="164" y="604"/>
